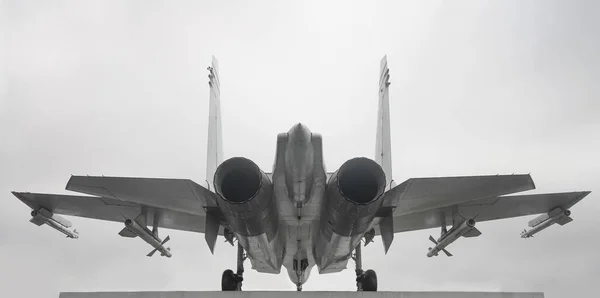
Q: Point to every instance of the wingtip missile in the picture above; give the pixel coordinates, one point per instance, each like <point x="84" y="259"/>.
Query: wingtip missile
<point x="542" y="222"/>
<point x="43" y="216"/>
<point x="525" y="235"/>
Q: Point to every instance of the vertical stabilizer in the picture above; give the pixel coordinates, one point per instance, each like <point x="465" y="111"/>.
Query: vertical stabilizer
<point x="383" y="147"/>
<point x="215" y="143"/>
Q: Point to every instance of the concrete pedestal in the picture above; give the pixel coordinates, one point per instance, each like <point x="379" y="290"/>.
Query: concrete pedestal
<point x="281" y="294"/>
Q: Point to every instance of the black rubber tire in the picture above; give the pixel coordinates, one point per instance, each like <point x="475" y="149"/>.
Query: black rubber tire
<point x="369" y="281"/>
<point x="228" y="281"/>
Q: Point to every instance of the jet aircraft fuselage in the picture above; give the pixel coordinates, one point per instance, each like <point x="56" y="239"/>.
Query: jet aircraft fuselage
<point x="299" y="179"/>
<point x="303" y="195"/>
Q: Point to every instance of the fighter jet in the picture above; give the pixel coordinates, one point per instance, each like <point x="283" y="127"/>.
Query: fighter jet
<point x="299" y="215"/>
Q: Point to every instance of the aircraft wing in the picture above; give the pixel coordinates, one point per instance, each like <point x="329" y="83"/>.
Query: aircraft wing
<point x="422" y="194"/>
<point x="487" y="209"/>
<point x="181" y="195"/>
<point x="421" y="197"/>
<point x="111" y="210"/>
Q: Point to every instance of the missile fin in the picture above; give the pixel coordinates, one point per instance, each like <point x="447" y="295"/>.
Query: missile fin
<point x="432" y="240"/>
<point x="564" y="221"/>
<point x="474" y="232"/>
<point x="152" y="252"/>
<point x="37" y="220"/>
<point x="141" y="219"/>
<point x="447" y="252"/>
<point x="125" y="232"/>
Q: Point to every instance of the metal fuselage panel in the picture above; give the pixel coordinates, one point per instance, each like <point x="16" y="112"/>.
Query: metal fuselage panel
<point x="299" y="180"/>
<point x="299" y="189"/>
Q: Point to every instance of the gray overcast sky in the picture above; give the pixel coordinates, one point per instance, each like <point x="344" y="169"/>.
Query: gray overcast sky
<point x="119" y="88"/>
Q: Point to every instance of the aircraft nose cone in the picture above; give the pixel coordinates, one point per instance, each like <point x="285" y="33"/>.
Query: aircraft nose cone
<point x="298" y="127"/>
<point x="299" y="130"/>
<point x="299" y="134"/>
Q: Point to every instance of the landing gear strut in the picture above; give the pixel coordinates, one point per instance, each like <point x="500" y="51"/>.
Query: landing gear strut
<point x="233" y="281"/>
<point x="365" y="280"/>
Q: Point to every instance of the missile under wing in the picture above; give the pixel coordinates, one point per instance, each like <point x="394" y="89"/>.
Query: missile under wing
<point x="493" y="208"/>
<point x="540" y="223"/>
<point x="42" y="216"/>
<point x="112" y="209"/>
<point x="412" y="213"/>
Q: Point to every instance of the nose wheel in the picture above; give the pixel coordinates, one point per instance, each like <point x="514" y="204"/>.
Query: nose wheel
<point x="365" y="280"/>
<point x="233" y="281"/>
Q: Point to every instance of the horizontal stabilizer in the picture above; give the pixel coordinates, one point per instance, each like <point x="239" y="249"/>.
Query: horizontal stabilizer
<point x="474" y="232"/>
<point x="182" y="195"/>
<point x="125" y="232"/>
<point x="565" y="221"/>
<point x="424" y="194"/>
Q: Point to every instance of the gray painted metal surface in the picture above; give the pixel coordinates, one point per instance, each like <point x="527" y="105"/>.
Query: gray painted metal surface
<point x="278" y="294"/>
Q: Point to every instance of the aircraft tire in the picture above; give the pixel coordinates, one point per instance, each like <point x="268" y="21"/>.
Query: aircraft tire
<point x="228" y="281"/>
<point x="369" y="281"/>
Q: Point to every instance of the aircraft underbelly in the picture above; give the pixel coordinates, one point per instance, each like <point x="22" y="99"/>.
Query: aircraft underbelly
<point x="299" y="185"/>
<point x="341" y="248"/>
<point x="263" y="253"/>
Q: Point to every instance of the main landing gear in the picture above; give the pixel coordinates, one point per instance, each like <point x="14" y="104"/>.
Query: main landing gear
<point x="233" y="281"/>
<point x="365" y="280"/>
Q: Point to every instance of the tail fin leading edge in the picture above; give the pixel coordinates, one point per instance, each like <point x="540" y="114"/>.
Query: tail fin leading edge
<point x="383" y="148"/>
<point x="215" y="144"/>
